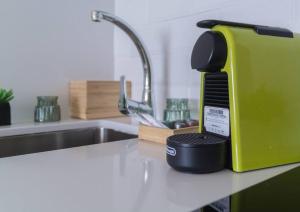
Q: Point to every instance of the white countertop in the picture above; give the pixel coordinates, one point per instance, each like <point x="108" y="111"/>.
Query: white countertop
<point x="129" y="175"/>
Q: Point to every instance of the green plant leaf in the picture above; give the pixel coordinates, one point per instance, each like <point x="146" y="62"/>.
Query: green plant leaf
<point x="6" y="95"/>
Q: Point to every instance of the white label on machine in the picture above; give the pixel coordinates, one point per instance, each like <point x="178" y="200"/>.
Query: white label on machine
<point x="216" y="120"/>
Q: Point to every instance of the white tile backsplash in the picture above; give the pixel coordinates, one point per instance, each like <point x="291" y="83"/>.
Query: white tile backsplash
<point x="168" y="29"/>
<point x="295" y="14"/>
<point x="140" y="16"/>
<point x="265" y="12"/>
<point x="168" y="9"/>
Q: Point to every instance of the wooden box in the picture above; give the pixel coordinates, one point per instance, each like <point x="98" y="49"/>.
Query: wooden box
<point x="95" y="99"/>
<point x="160" y="135"/>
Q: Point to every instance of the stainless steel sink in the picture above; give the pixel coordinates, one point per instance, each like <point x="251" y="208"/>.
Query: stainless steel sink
<point x="40" y="142"/>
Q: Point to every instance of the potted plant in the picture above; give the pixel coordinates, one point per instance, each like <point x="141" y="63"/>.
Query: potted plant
<point x="5" y="97"/>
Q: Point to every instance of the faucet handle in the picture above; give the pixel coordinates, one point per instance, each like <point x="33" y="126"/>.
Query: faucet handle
<point x="123" y="96"/>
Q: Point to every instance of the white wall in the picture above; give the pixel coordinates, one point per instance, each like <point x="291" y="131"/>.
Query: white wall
<point x="44" y="44"/>
<point x="168" y="30"/>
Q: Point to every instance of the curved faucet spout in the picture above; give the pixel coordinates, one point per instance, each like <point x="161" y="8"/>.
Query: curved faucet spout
<point x="127" y="106"/>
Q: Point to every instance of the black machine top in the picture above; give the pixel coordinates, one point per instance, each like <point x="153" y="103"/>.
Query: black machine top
<point x="259" y="29"/>
<point x="210" y="51"/>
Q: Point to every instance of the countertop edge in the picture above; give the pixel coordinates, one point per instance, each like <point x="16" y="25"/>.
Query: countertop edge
<point x="124" y="124"/>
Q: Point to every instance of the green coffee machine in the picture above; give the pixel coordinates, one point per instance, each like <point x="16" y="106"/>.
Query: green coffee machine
<point x="250" y="92"/>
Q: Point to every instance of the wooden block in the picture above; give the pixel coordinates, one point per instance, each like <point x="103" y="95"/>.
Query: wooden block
<point x="160" y="135"/>
<point x="95" y="99"/>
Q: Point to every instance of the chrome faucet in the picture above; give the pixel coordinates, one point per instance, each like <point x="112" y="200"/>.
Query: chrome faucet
<point x="128" y="106"/>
